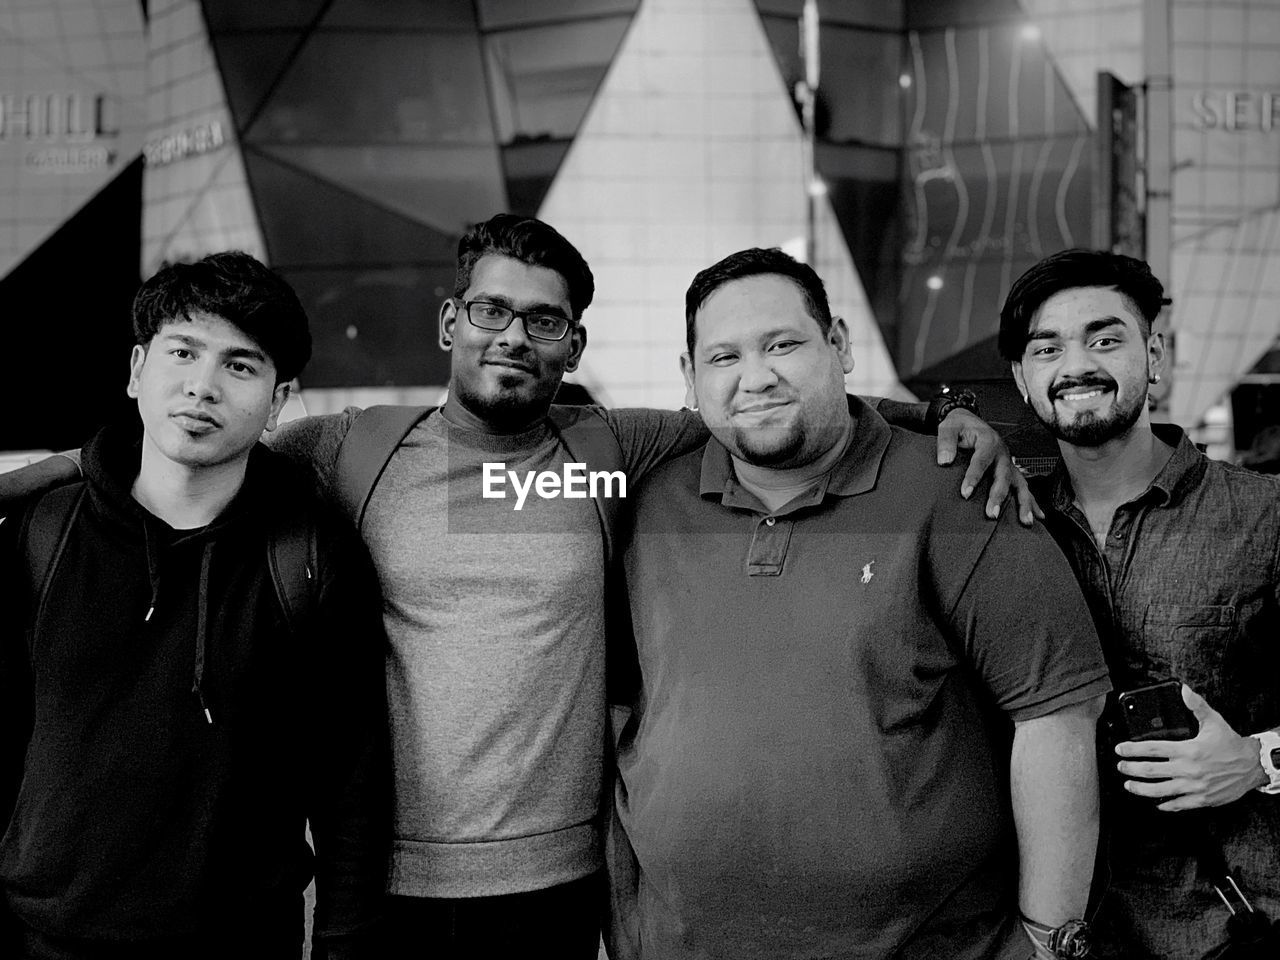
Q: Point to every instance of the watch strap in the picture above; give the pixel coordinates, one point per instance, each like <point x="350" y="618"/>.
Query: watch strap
<point x="946" y="401"/>
<point x="1268" y="755"/>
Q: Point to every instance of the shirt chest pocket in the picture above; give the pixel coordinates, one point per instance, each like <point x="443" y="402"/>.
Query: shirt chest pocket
<point x="1187" y="641"/>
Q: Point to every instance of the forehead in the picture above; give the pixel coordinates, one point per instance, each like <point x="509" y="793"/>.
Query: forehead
<point x="210" y="329"/>
<point x="1068" y="311"/>
<point x="520" y="283"/>
<point x="742" y="307"/>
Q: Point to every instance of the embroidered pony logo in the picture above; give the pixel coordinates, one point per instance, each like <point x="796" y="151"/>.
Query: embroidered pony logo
<point x="866" y="572"/>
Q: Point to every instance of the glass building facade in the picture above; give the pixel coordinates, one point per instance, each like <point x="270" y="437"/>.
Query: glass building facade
<point x="350" y="142"/>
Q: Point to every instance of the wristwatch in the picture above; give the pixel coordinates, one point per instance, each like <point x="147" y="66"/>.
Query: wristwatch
<point x="946" y="400"/>
<point x="1269" y="754"/>
<point x="1071" y="941"/>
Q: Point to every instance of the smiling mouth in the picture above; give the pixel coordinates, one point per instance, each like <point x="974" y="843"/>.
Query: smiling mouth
<point x="1076" y="395"/>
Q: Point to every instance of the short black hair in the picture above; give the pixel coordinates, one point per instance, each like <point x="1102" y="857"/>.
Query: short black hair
<point x="530" y="241"/>
<point x="756" y="261"/>
<point x="1070" y="269"/>
<point x="238" y="289"/>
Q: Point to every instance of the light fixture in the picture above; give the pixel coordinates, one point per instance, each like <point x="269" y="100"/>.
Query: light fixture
<point x="934" y="282"/>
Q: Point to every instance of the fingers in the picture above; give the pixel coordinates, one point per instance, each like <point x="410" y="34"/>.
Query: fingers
<point x="984" y="455"/>
<point x="1157" y="750"/>
<point x="1147" y="769"/>
<point x="1028" y="510"/>
<point x="948" y="440"/>
<point x="1158" y="790"/>
<point x="1197" y="704"/>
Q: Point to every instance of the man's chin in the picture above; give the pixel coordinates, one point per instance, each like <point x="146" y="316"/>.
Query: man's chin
<point x="1090" y="430"/>
<point x="506" y="403"/>
<point x="766" y="448"/>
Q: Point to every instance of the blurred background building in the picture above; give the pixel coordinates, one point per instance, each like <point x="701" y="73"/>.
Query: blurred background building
<point x="949" y="145"/>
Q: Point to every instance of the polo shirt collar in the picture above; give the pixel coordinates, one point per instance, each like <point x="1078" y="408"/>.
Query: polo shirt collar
<point x="854" y="473"/>
<point x="1176" y="478"/>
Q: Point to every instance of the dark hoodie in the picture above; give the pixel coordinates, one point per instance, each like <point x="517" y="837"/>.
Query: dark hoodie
<point x="165" y="735"/>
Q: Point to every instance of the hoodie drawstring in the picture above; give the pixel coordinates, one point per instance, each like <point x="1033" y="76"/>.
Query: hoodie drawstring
<point x="153" y="571"/>
<point x="202" y="622"/>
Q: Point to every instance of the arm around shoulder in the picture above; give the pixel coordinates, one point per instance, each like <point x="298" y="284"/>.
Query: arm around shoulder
<point x="18" y="485"/>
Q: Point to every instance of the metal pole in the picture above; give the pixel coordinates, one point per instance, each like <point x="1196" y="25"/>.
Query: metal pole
<point x="808" y="102"/>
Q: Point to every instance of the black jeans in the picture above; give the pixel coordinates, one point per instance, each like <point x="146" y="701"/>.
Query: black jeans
<point x="561" y="922"/>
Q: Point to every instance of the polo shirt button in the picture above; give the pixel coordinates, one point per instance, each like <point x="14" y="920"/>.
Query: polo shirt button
<point x="770" y="521"/>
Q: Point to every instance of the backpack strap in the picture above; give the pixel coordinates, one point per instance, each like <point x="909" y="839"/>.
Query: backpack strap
<point x="588" y="438"/>
<point x="292" y="559"/>
<point x="48" y="527"/>
<point x="365" y="452"/>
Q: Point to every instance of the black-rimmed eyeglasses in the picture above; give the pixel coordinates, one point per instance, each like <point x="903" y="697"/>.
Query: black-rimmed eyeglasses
<point x="494" y="316"/>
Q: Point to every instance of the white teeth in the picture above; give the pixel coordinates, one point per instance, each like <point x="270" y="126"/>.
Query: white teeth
<point x="1080" y="396"/>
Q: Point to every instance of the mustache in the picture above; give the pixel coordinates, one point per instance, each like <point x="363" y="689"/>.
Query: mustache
<point x="1074" y="383"/>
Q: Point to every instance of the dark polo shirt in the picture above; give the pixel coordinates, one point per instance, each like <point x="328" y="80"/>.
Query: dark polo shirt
<point x="819" y="768"/>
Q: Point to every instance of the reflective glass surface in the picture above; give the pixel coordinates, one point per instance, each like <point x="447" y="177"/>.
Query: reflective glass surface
<point x="499" y="14"/>
<point x="374" y="326"/>
<point x="387" y="88"/>
<point x="543" y="78"/>
<point x="256" y="15"/>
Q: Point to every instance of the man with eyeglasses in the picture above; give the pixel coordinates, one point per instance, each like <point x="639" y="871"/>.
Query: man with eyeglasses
<point x="496" y="616"/>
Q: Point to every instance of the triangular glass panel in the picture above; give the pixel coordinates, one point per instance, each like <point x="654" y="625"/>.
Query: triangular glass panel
<point x="251" y="64"/>
<point x="257" y="15"/>
<point x="446" y="186"/>
<point x="529" y="169"/>
<point x="307" y="221"/>
<point x="404" y="14"/>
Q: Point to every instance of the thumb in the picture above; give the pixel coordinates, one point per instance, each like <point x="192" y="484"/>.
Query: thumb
<point x="1198" y="705"/>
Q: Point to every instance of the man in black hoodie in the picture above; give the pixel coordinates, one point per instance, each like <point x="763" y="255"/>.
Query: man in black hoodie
<point x="166" y="727"/>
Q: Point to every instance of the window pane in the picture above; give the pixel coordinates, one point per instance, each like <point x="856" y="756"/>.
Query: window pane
<point x="256" y="15"/>
<point x="495" y="14"/>
<point x="410" y="14"/>
<point x="858" y="86"/>
<point x="544" y="78"/>
<point x="361" y="88"/>
<point x="374" y="326"/>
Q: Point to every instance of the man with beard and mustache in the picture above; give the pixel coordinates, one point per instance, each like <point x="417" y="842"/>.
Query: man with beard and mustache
<point x="1178" y="558"/>
<point x="855" y="735"/>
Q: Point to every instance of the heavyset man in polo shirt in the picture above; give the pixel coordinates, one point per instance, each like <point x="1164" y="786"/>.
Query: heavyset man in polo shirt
<point x="1179" y="557"/>
<point x="833" y="646"/>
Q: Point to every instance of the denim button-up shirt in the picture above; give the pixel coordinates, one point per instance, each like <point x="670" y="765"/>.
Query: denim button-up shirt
<point x="1187" y="585"/>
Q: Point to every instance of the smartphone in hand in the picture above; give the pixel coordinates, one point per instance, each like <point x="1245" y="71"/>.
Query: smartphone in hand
<point x="1157" y="713"/>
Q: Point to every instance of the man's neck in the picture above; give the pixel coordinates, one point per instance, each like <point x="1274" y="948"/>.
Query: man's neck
<point x="460" y="415"/>
<point x="183" y="497"/>
<point x="777" y="486"/>
<point x="1114" y="473"/>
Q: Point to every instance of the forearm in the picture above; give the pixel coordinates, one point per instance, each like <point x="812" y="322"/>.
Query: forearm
<point x="17" y="485"/>
<point x="1054" y="786"/>
<point x="908" y="416"/>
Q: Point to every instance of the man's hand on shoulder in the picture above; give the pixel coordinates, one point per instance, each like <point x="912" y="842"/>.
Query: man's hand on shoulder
<point x="1217" y="767"/>
<point x="964" y="430"/>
